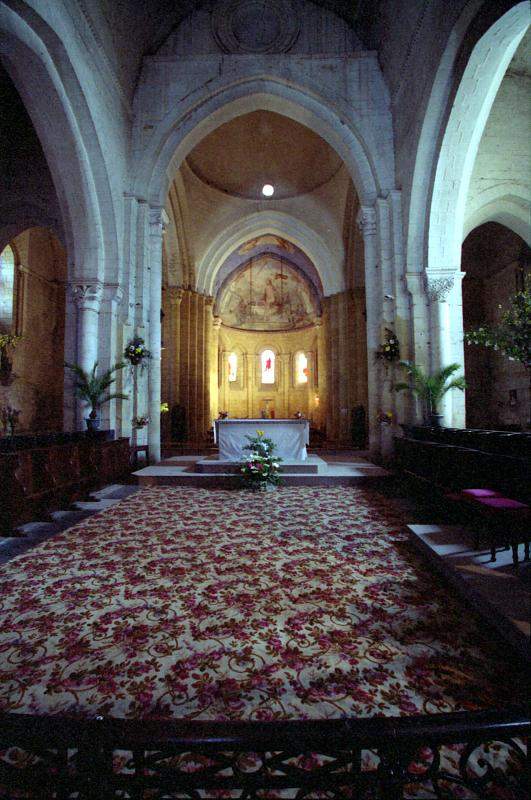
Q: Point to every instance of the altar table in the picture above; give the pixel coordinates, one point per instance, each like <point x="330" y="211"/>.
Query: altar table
<point x="290" y="436"/>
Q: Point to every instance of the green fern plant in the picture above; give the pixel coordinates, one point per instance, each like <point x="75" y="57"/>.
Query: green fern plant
<point x="431" y="388"/>
<point x="94" y="389"/>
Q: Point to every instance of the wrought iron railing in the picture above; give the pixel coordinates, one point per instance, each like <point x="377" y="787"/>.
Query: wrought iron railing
<point x="472" y="755"/>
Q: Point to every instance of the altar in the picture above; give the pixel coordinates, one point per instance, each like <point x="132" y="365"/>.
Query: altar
<point x="290" y="436"/>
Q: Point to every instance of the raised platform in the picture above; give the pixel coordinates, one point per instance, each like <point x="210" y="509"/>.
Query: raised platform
<point x="494" y="589"/>
<point x="217" y="466"/>
<point x="345" y="470"/>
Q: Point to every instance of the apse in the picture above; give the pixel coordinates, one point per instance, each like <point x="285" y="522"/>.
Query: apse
<point x="251" y="279"/>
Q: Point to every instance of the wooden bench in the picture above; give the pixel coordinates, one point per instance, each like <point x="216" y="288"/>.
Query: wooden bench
<point x="37" y="480"/>
<point x="491" y="488"/>
<point x="507" y="521"/>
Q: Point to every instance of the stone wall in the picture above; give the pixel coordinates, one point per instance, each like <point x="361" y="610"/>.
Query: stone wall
<point x="37" y="389"/>
<point x="247" y="396"/>
<point x="187" y="358"/>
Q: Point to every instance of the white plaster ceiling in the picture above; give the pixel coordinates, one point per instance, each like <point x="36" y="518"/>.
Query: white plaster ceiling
<point x="242" y="155"/>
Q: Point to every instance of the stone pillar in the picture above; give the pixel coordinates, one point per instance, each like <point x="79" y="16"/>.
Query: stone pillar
<point x="368" y="227"/>
<point x="110" y="353"/>
<point x="157" y="222"/>
<point x="446" y="328"/>
<point x="192" y="368"/>
<point x="319" y="398"/>
<point x="419" y="349"/>
<point x="174" y="345"/>
<point x="87" y="300"/>
<point x="208" y="364"/>
<point x="215" y="400"/>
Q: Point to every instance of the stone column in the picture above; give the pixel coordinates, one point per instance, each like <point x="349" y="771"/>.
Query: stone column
<point x="174" y="345"/>
<point x="444" y="318"/>
<point x="215" y="401"/>
<point x="193" y="368"/>
<point x="368" y="227"/>
<point x="419" y="350"/>
<point x="157" y="222"/>
<point x="320" y="390"/>
<point x="87" y="300"/>
<point x="110" y="354"/>
<point x="208" y="364"/>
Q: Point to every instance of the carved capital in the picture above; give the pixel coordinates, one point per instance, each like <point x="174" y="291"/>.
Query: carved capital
<point x="175" y="293"/>
<point x="87" y="295"/>
<point x="367" y="221"/>
<point x="158" y="221"/>
<point x="216" y="322"/>
<point x="439" y="286"/>
<point x="112" y="293"/>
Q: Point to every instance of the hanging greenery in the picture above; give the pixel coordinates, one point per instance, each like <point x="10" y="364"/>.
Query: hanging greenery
<point x="390" y="349"/>
<point x="136" y="351"/>
<point x="512" y="336"/>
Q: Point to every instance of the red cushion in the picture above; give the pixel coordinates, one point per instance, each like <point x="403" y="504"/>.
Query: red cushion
<point x="502" y="504"/>
<point x="480" y="493"/>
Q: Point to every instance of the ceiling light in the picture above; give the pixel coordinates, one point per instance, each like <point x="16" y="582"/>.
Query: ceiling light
<point x="268" y="190"/>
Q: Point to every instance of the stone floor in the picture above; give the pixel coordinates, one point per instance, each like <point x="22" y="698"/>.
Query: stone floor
<point x="501" y="594"/>
<point x="32" y="533"/>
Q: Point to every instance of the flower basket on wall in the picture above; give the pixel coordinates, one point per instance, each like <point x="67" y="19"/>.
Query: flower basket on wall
<point x="136" y="352"/>
<point x="390" y="349"/>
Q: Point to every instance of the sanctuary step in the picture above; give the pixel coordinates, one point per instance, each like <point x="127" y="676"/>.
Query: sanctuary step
<point x="314" y="471"/>
<point x="216" y="466"/>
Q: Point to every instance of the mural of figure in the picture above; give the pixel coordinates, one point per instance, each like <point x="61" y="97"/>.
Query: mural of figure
<point x="262" y="297"/>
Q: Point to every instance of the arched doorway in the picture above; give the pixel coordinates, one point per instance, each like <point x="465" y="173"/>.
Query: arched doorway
<point x="473" y="66"/>
<point x="32" y="310"/>
<point x="495" y="260"/>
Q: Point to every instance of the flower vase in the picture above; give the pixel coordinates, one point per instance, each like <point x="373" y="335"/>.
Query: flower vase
<point x="264" y="486"/>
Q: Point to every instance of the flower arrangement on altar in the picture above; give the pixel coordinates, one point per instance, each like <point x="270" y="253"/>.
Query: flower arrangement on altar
<point x="136" y="352"/>
<point x="390" y="349"/>
<point x="140" y="422"/>
<point x="385" y="417"/>
<point x="261" y="469"/>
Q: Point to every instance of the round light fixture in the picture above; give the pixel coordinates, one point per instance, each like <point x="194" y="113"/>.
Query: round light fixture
<point x="268" y="190"/>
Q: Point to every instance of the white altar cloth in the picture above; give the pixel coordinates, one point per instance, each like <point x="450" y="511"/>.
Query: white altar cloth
<point x="290" y="436"/>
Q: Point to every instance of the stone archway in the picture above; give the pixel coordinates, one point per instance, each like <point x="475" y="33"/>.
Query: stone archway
<point x="276" y="223"/>
<point x="39" y="65"/>
<point x="368" y="157"/>
<point x="454" y="122"/>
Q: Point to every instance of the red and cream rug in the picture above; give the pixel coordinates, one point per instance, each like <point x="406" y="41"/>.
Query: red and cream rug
<point x="201" y="604"/>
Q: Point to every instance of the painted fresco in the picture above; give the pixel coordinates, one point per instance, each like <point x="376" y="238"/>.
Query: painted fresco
<point x="267" y="295"/>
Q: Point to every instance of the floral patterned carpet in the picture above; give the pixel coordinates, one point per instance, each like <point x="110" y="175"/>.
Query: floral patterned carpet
<point x="202" y="604"/>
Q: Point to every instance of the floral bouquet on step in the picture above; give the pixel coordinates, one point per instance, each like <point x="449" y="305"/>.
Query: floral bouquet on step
<point x="260" y="471"/>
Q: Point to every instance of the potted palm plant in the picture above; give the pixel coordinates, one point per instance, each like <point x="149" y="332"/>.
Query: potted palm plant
<point x="94" y="390"/>
<point x="431" y="388"/>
